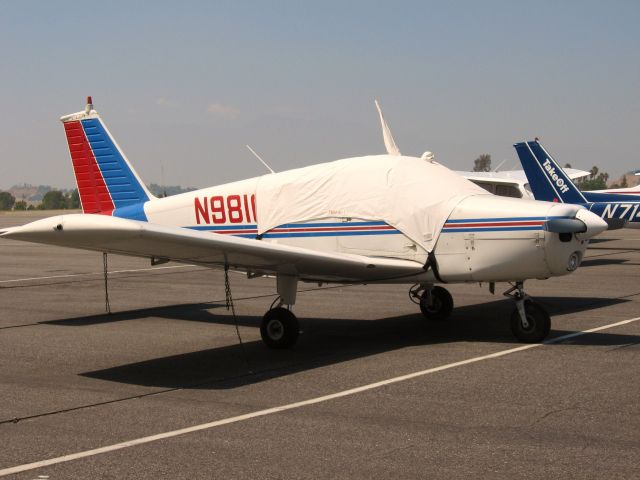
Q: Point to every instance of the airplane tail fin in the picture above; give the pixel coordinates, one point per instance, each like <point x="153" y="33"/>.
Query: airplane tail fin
<point x="547" y="179"/>
<point x="107" y="183"/>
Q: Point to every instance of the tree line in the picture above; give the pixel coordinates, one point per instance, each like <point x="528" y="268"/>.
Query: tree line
<point x="52" y="200"/>
<point x="59" y="200"/>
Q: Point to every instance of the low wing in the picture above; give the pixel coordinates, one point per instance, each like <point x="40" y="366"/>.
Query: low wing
<point x="130" y="237"/>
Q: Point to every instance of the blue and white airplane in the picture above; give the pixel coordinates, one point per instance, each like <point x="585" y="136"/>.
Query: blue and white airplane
<point x="372" y="219"/>
<point x="550" y="182"/>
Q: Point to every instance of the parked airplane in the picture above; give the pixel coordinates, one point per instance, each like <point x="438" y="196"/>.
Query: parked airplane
<point x="635" y="190"/>
<point x="373" y="219"/>
<point x="508" y="183"/>
<point x="549" y="182"/>
<point x="511" y="183"/>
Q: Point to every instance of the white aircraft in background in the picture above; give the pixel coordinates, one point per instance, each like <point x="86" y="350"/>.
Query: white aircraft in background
<point x="635" y="190"/>
<point x="372" y="219"/>
<point x="505" y="183"/>
<point x="511" y="183"/>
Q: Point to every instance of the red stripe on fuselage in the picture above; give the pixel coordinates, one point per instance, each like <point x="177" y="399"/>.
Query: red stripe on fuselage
<point x="306" y="229"/>
<point x="326" y="229"/>
<point x="234" y="232"/>
<point x="493" y="224"/>
<point x="93" y="191"/>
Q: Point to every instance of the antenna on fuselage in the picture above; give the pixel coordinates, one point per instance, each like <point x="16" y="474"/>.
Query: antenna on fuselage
<point x="389" y="142"/>
<point x="260" y="158"/>
<point x="501" y="163"/>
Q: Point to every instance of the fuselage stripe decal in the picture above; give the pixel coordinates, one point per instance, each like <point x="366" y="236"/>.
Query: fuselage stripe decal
<point x="506" y="219"/>
<point x="494" y="224"/>
<point x="304" y="229"/>
<point x="293" y="230"/>
<point x="491" y="229"/>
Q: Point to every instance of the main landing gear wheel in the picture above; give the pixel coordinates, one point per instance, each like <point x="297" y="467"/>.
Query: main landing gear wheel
<point x="279" y="328"/>
<point x="535" y="328"/>
<point x="439" y="306"/>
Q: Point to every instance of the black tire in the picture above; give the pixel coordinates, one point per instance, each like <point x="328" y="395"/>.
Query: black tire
<point x="442" y="305"/>
<point x="279" y="328"/>
<point x="539" y="323"/>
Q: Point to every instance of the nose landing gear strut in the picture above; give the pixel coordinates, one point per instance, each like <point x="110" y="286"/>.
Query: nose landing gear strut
<point x="530" y="322"/>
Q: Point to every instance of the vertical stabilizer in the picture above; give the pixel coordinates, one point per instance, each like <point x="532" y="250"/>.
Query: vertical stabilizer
<point x="547" y="179"/>
<point x="106" y="181"/>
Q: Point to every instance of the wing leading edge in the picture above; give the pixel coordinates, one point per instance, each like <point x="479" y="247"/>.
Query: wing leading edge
<point x="131" y="237"/>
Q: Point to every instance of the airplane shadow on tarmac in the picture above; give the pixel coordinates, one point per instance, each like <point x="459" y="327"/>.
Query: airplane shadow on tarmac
<point x="596" y="262"/>
<point x="323" y="342"/>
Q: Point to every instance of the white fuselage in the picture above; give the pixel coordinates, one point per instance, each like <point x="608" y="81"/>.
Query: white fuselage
<point x="486" y="238"/>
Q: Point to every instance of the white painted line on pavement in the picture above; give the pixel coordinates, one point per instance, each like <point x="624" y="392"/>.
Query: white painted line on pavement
<point x="292" y="406"/>
<point x="93" y="273"/>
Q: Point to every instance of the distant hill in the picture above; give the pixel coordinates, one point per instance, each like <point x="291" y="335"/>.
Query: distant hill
<point x="168" y="190"/>
<point x="32" y="194"/>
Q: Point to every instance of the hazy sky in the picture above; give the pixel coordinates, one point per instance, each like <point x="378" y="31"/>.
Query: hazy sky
<point x="183" y="86"/>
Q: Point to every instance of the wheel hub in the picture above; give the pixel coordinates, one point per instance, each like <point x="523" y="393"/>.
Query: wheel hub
<point x="527" y="323"/>
<point x="275" y="329"/>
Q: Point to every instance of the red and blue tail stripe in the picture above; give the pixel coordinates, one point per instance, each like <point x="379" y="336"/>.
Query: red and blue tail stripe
<point x="106" y="182"/>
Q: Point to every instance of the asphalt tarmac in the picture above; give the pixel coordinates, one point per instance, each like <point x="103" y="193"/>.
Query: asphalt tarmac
<point x="435" y="402"/>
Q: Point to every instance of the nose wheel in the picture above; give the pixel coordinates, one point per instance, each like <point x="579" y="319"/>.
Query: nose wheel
<point x="530" y="323"/>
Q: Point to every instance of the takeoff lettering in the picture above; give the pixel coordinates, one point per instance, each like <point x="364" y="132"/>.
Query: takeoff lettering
<point x="560" y="183"/>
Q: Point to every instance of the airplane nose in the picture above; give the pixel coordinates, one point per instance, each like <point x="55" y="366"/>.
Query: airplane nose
<point x="584" y="224"/>
<point x="595" y="225"/>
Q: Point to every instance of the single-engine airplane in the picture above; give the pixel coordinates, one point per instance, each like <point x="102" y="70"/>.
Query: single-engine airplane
<point x="550" y="182"/>
<point x="371" y="219"/>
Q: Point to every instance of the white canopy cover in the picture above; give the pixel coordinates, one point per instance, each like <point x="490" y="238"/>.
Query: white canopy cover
<point x="413" y="195"/>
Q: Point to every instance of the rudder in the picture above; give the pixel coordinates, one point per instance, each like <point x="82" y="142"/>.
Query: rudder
<point x="547" y="179"/>
<point x="106" y="181"/>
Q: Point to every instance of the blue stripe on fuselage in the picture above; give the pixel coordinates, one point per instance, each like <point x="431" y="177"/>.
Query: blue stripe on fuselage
<point x="132" y="212"/>
<point x="491" y="229"/>
<point x="343" y="233"/>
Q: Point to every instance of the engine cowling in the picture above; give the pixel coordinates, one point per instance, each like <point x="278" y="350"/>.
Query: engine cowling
<point x="488" y="238"/>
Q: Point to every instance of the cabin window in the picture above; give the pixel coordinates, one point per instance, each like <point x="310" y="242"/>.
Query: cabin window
<point x="508" y="191"/>
<point x="489" y="187"/>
